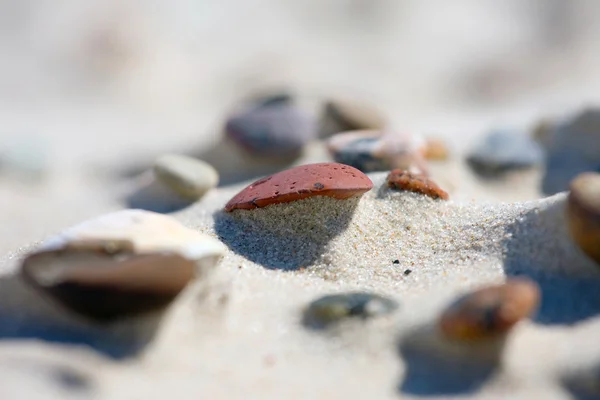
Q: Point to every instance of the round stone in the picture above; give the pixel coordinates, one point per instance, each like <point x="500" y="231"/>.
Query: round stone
<point x="120" y="264"/>
<point x="188" y="177"/>
<point x="323" y="179"/>
<point x="504" y="151"/>
<point x="332" y="309"/>
<point x="490" y="312"/>
<point x="583" y="213"/>
<point x="343" y="115"/>
<point x="418" y="183"/>
<point x="275" y="128"/>
<point x="371" y="151"/>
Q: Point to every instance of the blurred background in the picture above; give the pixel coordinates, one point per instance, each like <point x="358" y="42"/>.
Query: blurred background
<point x="87" y="88"/>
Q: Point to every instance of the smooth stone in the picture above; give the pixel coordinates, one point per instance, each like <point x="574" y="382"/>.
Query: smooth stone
<point x="399" y="179"/>
<point x="146" y="192"/>
<point x="275" y="129"/>
<point x="334" y="308"/>
<point x="121" y="264"/>
<point x="188" y="177"/>
<point x="371" y="151"/>
<point x="436" y="150"/>
<point x="504" y="151"/>
<point x="343" y="115"/>
<point x="322" y="179"/>
<point x="583" y="213"/>
<point x="490" y="312"/>
<point x="573" y="148"/>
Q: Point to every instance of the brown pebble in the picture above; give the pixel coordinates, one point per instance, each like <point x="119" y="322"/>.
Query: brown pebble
<point x="105" y="280"/>
<point x="491" y="311"/>
<point x="323" y="179"/>
<point x="583" y="213"/>
<point x="404" y="180"/>
<point x="344" y="115"/>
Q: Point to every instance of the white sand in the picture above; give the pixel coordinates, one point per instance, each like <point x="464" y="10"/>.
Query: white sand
<point x="453" y="70"/>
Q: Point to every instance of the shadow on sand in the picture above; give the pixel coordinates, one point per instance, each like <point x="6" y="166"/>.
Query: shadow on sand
<point x="436" y="366"/>
<point x="26" y="314"/>
<point x="568" y="280"/>
<point x="285" y="236"/>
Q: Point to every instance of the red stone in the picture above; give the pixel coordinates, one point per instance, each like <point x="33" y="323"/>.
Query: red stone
<point x="324" y="179"/>
<point x="404" y="180"/>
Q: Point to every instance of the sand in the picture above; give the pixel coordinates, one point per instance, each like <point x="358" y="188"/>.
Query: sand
<point x="173" y="71"/>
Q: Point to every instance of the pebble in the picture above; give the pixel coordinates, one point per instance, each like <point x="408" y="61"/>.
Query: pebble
<point x="343" y="115"/>
<point x="188" y="177"/>
<point x="418" y="183"/>
<point x="271" y="128"/>
<point x="504" y="151"/>
<point x="491" y="311"/>
<point x="322" y="179"/>
<point x="121" y="264"/>
<point x="436" y="150"/>
<point x="371" y="151"/>
<point x="583" y="383"/>
<point x="583" y="213"/>
<point x="334" y="308"/>
<point x="573" y="147"/>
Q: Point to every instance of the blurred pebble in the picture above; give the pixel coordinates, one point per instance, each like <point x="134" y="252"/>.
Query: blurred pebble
<point x="121" y="264"/>
<point x="331" y="309"/>
<point x="189" y="177"/>
<point x="436" y="150"/>
<point x="583" y="213"/>
<point x="404" y="180"/>
<point x="322" y="179"/>
<point x="504" y="151"/>
<point x="344" y="115"/>
<point x="371" y="151"/>
<point x="491" y="311"/>
<point x="271" y="128"/>
<point x="584" y="384"/>
<point x="574" y="147"/>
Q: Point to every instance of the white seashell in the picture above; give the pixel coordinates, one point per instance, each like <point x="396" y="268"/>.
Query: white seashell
<point x="149" y="232"/>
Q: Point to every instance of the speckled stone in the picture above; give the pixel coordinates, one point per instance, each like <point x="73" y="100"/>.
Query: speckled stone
<point x="404" y="180"/>
<point x="188" y="177"/>
<point x="344" y="115"/>
<point x="504" y="151"/>
<point x="272" y="128"/>
<point x="371" y="151"/>
<point x="323" y="179"/>
<point x="583" y="213"/>
<point x="120" y="264"/>
<point x="332" y="309"/>
<point x="491" y="311"/>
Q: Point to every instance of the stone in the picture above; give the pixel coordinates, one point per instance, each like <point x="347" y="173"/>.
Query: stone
<point x="343" y="115"/>
<point x="332" y="309"/>
<point x="583" y="213"/>
<point x="418" y="183"/>
<point x="188" y="177"/>
<point x="322" y="179"/>
<point x="504" y="151"/>
<point x="436" y="150"/>
<point x="121" y="264"/>
<point x="573" y="147"/>
<point x="490" y="312"/>
<point x="371" y="151"/>
<point x="583" y="383"/>
<point x="272" y="128"/>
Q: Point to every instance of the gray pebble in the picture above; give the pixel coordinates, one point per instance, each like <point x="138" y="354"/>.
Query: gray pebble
<point x="334" y="308"/>
<point x="189" y="177"/>
<point x="503" y="151"/>
<point x="344" y="115"/>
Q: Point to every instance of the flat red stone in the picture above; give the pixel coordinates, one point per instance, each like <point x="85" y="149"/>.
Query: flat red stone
<point x="400" y="179"/>
<point x="324" y="179"/>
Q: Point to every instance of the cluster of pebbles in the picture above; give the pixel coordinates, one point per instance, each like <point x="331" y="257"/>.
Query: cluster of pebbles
<point x="132" y="262"/>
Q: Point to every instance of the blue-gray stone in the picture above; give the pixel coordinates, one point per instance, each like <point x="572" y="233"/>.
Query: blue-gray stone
<point x="503" y="151"/>
<point x="334" y="308"/>
<point x="360" y="155"/>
